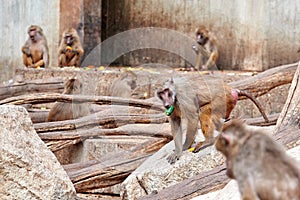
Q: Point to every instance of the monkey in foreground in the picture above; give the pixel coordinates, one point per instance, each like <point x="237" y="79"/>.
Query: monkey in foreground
<point x="207" y="52"/>
<point x="35" y="50"/>
<point x="65" y="111"/>
<point x="124" y="85"/>
<point x="70" y="49"/>
<point x="261" y="167"/>
<point x="207" y="100"/>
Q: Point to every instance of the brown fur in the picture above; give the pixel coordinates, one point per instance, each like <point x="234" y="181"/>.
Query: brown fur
<point x="67" y="56"/>
<point x="207" y="49"/>
<point x="65" y="111"/>
<point x="208" y="101"/>
<point x="261" y="167"/>
<point x="124" y="85"/>
<point x="35" y="50"/>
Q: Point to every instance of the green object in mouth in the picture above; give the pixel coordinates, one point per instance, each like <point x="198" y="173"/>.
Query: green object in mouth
<point x="170" y="110"/>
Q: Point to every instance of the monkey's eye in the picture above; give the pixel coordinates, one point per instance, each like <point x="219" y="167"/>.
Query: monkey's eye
<point x="159" y="94"/>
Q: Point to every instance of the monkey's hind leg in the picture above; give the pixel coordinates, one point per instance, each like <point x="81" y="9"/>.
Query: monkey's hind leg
<point x="62" y="60"/>
<point x="207" y="127"/>
<point x="27" y="60"/>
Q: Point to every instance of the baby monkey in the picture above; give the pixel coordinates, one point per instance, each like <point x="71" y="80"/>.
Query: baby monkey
<point x="261" y="167"/>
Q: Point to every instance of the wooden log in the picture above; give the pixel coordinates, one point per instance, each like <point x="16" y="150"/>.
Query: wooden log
<point x="61" y="139"/>
<point x="38" y="116"/>
<point x="31" y="86"/>
<point x="264" y="82"/>
<point x="100" y="100"/>
<point x="289" y="116"/>
<point x="288" y="122"/>
<point x="100" y="118"/>
<point x="260" y="121"/>
<point x="112" y="168"/>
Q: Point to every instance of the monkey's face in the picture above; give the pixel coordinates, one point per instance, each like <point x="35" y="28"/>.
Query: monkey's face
<point x="69" y="39"/>
<point x="32" y="34"/>
<point x="167" y="96"/>
<point x="201" y="37"/>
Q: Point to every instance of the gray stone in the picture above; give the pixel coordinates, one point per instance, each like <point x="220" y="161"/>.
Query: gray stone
<point x="28" y="169"/>
<point x="156" y="173"/>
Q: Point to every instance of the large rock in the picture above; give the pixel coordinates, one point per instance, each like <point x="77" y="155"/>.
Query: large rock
<point x="28" y="169"/>
<point x="156" y="173"/>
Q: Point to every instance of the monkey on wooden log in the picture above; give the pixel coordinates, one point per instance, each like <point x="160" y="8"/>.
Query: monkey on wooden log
<point x="209" y="101"/>
<point x="64" y="110"/>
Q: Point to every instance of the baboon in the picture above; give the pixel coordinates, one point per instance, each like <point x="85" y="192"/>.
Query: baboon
<point x="207" y="52"/>
<point x="65" y="111"/>
<point x="124" y="85"/>
<point x="207" y="100"/>
<point x="35" y="50"/>
<point x="261" y="166"/>
<point x="70" y="49"/>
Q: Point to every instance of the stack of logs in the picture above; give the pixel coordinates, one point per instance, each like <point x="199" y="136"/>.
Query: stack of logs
<point x="134" y="119"/>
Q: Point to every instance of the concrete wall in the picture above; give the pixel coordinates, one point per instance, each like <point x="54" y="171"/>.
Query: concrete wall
<point x="15" y="17"/>
<point x="252" y="35"/>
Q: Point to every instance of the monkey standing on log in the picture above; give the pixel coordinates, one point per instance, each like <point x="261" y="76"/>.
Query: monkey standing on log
<point x="35" y="50"/>
<point x="261" y="167"/>
<point x="207" y="52"/>
<point x="208" y="101"/>
<point x="65" y="111"/>
<point x="70" y="49"/>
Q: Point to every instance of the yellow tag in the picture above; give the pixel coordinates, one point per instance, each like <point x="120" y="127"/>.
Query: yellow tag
<point x="191" y="149"/>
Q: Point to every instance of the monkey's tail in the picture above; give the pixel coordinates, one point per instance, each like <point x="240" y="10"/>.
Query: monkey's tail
<point x="253" y="99"/>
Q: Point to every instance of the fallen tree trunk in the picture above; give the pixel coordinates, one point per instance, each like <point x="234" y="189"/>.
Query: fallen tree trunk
<point x="100" y="100"/>
<point x="264" y="82"/>
<point x="260" y="121"/>
<point x="112" y="168"/>
<point x="289" y="122"/>
<point x="32" y="86"/>
<point x="59" y="140"/>
<point x="40" y="115"/>
<point x="98" y="119"/>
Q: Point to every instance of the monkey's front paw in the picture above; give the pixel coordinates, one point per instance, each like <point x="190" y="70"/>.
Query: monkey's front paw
<point x="204" y="67"/>
<point x="173" y="158"/>
<point x="195" y="48"/>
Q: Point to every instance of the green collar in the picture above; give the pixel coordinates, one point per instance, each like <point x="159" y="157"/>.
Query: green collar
<point x="170" y="110"/>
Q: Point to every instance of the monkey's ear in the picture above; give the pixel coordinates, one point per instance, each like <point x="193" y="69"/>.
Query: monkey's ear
<point x="227" y="137"/>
